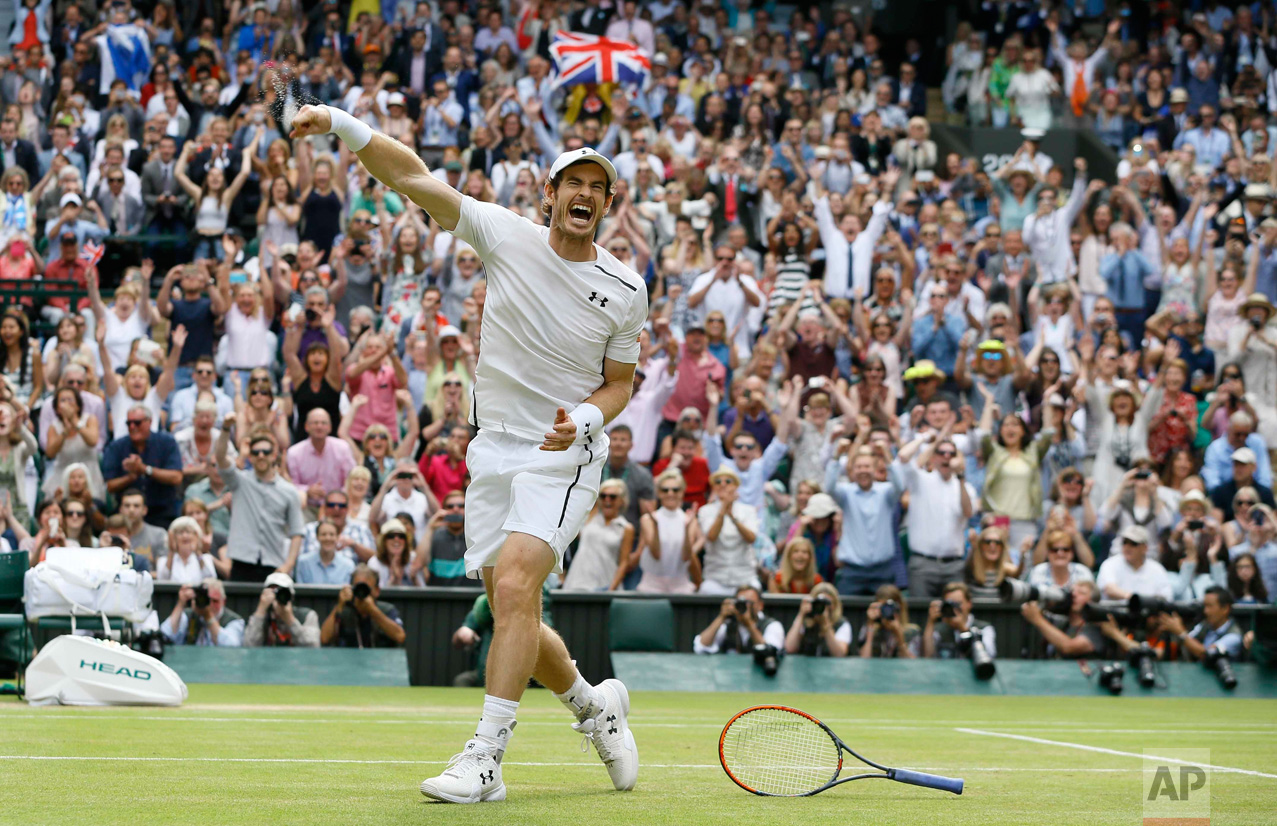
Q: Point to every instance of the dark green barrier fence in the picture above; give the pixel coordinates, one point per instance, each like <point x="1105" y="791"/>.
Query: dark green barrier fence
<point x="430" y="616"/>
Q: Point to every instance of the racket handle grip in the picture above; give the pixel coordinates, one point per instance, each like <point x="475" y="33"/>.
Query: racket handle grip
<point x="931" y="781"/>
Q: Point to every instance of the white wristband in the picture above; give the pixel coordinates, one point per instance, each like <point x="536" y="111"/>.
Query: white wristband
<point x="354" y="133"/>
<point x="589" y="421"/>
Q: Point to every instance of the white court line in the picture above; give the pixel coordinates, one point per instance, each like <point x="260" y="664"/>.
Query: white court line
<point x="577" y="764"/>
<point x="852" y="724"/>
<point x="1102" y="750"/>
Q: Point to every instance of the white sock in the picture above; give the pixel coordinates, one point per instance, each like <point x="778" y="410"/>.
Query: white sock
<point x="497" y="723"/>
<point x="582" y="699"/>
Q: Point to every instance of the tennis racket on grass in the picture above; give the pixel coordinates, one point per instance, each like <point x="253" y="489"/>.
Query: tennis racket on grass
<point x="776" y="751"/>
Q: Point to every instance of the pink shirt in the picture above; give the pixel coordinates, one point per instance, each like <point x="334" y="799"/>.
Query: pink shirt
<point x="441" y="476"/>
<point x="307" y="466"/>
<point x="379" y="386"/>
<point x="692" y="378"/>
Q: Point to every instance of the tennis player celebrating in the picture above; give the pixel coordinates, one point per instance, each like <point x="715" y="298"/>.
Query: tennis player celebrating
<point x="558" y="348"/>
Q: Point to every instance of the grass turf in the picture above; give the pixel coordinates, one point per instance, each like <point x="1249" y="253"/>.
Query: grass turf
<point x="318" y="755"/>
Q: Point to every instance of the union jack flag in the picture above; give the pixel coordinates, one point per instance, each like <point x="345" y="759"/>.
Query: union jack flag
<point x="587" y="58"/>
<point x="92" y="253"/>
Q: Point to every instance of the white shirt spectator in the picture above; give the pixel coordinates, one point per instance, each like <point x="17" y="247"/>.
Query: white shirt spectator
<point x="728" y="297"/>
<point x="773" y="634"/>
<point x="937" y="530"/>
<point x="1048" y="237"/>
<point x="848" y="266"/>
<point x="643" y="414"/>
<point x="1149" y="580"/>
<point x="416" y="505"/>
<point x="729" y="560"/>
<point x="194" y="570"/>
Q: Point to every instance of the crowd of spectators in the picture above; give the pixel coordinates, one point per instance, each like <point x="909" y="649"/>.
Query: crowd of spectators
<point x="871" y="368"/>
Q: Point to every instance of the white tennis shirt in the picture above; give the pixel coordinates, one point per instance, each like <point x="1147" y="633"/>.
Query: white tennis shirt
<point x="547" y="323"/>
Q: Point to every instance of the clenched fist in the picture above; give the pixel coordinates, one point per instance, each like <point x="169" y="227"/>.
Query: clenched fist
<point x="311" y="120"/>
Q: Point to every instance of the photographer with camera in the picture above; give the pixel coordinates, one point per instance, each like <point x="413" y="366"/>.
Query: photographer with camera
<point x="1069" y="636"/>
<point x="359" y="619"/>
<point x="277" y="621"/>
<point x="888" y="632"/>
<point x="820" y="630"/>
<point x="948" y="618"/>
<point x="741" y="626"/>
<point x="1195" y="549"/>
<point x="1217" y="635"/>
<point x="202" y="618"/>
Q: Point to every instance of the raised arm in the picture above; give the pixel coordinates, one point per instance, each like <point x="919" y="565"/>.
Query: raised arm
<point x="387" y="160"/>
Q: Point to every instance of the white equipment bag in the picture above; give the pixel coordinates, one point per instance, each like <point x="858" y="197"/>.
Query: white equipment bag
<point x="82" y="671"/>
<point x="87" y="582"/>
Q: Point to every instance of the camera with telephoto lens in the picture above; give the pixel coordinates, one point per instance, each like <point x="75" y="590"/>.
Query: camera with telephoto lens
<point x="768" y="658"/>
<point x="283" y="596"/>
<point x="819" y="605"/>
<point x="150" y="643"/>
<point x="1141" y="659"/>
<point x="972" y="646"/>
<point x="1111" y="675"/>
<point x="201" y="596"/>
<point x="361" y="591"/>
<point x="949" y="609"/>
<point x="887" y="611"/>
<point x="1218" y="659"/>
<point x="1050" y="597"/>
<point x="742" y="606"/>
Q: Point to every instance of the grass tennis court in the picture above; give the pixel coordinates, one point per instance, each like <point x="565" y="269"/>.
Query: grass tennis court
<point x="316" y="755"/>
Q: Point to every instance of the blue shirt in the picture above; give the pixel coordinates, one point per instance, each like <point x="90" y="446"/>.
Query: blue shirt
<point x="938" y="342"/>
<point x="868" y="516"/>
<point x="1212" y="147"/>
<point x="1227" y="637"/>
<point x="1266" y="278"/>
<point x="311" y="570"/>
<point x="182" y="406"/>
<point x="752" y="478"/>
<point x="1125" y="276"/>
<point x="1217" y="463"/>
<point x="161" y="451"/>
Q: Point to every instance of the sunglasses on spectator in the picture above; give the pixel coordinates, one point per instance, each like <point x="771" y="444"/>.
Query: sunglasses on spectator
<point x="204" y="371"/>
<point x="110" y="180"/>
<point x="607" y="496"/>
<point x="725" y="257"/>
<point x="1064" y="549"/>
<point x="992" y="541"/>
<point x="452" y="384"/>
<point x="946" y="454"/>
<point x="75" y="382"/>
<point x="671" y="490"/>
<point x="260" y="391"/>
<point x="138" y="422"/>
<point x="77" y="512"/>
<point x="262" y="451"/>
<point x="455" y="506"/>
<point x="371" y="436"/>
<point x="742" y="445"/>
<point x="391" y="536"/>
<point x="335" y="505"/>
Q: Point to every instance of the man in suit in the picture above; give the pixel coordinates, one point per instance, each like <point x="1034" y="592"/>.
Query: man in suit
<point x="165" y="200"/>
<point x="61" y="136"/>
<point x="420" y="61"/>
<point x="1177" y="121"/>
<point x="123" y="212"/>
<point x="460" y="80"/>
<point x="17" y="152"/>
<point x="204" y="111"/>
<point x="330" y="33"/>
<point x="148" y="147"/>
<point x="733" y="186"/>
<point x="219" y="152"/>
<point x="592" y="19"/>
<point x="908" y="92"/>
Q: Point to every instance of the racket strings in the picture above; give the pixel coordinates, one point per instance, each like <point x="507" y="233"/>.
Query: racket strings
<point x="779" y="752"/>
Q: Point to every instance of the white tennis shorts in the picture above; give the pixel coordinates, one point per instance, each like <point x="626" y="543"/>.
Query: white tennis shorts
<point x="517" y="487"/>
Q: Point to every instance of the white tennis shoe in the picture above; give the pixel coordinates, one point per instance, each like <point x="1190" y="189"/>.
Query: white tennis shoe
<point x="612" y="737"/>
<point x="472" y="776"/>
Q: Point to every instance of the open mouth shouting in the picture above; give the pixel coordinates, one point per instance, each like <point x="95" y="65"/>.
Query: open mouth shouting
<point x="581" y="215"/>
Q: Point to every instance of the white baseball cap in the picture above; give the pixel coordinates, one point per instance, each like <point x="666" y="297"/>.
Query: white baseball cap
<point x="71" y="198"/>
<point x="396" y="99"/>
<point x="581" y="155"/>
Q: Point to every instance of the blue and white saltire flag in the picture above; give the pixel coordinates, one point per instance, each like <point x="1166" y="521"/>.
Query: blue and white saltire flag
<point x="586" y="58"/>
<point x="125" y="52"/>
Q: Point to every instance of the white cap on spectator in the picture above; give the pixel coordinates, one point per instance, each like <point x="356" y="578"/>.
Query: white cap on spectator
<point x="1244" y="455"/>
<point x="1258" y="192"/>
<point x="448" y="331"/>
<point x="1135" y="533"/>
<point x="581" y="155"/>
<point x="1032" y="134"/>
<point x="925" y="175"/>
<point x="396" y="99"/>
<point x="71" y="198"/>
<point x="1179" y="95"/>
<point x="820" y="505"/>
<point x="661" y="59"/>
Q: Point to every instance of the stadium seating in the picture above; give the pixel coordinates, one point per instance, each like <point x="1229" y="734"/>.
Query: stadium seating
<point x="640" y="625"/>
<point x="12" y="568"/>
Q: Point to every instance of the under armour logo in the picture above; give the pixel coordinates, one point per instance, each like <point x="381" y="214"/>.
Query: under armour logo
<point x="612" y="722"/>
<point x="602" y="299"/>
<point x="486" y="778"/>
